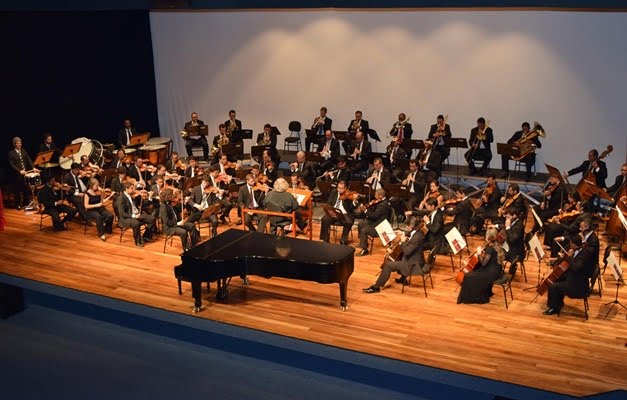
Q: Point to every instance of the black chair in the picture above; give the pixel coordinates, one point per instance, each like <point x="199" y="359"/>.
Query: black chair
<point x="505" y="282"/>
<point x="425" y="274"/>
<point x="293" y="140"/>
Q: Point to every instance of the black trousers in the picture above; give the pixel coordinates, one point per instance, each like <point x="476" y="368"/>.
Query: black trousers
<point x="54" y="212"/>
<point x="200" y="142"/>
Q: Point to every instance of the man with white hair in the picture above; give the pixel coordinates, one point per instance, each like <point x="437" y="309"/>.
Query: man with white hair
<point x="281" y="201"/>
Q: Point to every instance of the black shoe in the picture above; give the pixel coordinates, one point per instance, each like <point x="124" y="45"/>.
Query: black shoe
<point x="372" y="289"/>
<point x="18" y="207"/>
<point x="139" y="244"/>
<point x="239" y="222"/>
<point x="551" y="311"/>
<point x="362" y="253"/>
<point x="223" y="219"/>
<point x="147" y="239"/>
<point x="401" y="280"/>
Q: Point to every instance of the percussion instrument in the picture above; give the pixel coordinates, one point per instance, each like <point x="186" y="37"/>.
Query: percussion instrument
<point x="161" y="140"/>
<point x="90" y="148"/>
<point x="155" y="154"/>
<point x="33" y="179"/>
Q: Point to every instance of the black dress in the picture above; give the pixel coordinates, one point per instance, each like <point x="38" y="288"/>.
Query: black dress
<point x="102" y="216"/>
<point x="477" y="284"/>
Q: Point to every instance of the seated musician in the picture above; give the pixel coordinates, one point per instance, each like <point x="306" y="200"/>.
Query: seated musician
<point x="193" y="170"/>
<point x="434" y="221"/>
<point x="226" y="167"/>
<point x="304" y="168"/>
<point x="359" y="150"/>
<point x="174" y="165"/>
<point x="194" y="139"/>
<point x="529" y="159"/>
<point x="358" y="124"/>
<point x="488" y="206"/>
<point x="118" y="160"/>
<point x="280" y="200"/>
<point x="438" y="133"/>
<point x="402" y="128"/>
<point x="429" y="161"/>
<point x="377" y="175"/>
<point x="221" y="182"/>
<point x="553" y="196"/>
<point x="77" y="189"/>
<point x="415" y="181"/>
<point x="267" y="137"/>
<point x="117" y="184"/>
<point x="154" y="199"/>
<point x="125" y="134"/>
<point x="52" y="201"/>
<point x="88" y="169"/>
<point x="341" y="173"/>
<point x="593" y="169"/>
<point x="575" y="281"/>
<point x="20" y="163"/>
<point x="329" y="150"/>
<point x="461" y="209"/>
<point x="221" y="139"/>
<point x="321" y="124"/>
<point x="374" y="213"/>
<point x="251" y="196"/>
<point x="203" y="196"/>
<point x="395" y="152"/>
<point x="411" y="249"/>
<point x="297" y="182"/>
<point x="514" y="236"/>
<point x="619" y="184"/>
<point x="184" y="229"/>
<point x="565" y="223"/>
<point x="141" y="173"/>
<point x="433" y="193"/>
<point x="476" y="288"/>
<point x="346" y="203"/>
<point x="48" y="145"/>
<point x="94" y="203"/>
<point x="131" y="215"/>
<point x="480" y="141"/>
<point x="270" y="171"/>
<point x="512" y="198"/>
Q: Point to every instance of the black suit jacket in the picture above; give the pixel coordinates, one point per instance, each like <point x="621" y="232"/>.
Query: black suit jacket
<point x="407" y="130"/>
<point x="122" y="136"/>
<point x="385" y="178"/>
<point x="307" y="172"/>
<point x="125" y="208"/>
<point x="48" y="197"/>
<point x="419" y="182"/>
<point x="462" y="212"/>
<point x="271" y="174"/>
<point x="434" y="162"/>
<point x="488" y="140"/>
<point x="168" y="218"/>
<point x="328" y="122"/>
<point x="14" y="161"/>
<point x="243" y="196"/>
<point x="399" y="154"/>
<point x="273" y="139"/>
<point x="412" y="254"/>
<point x="435" y="234"/>
<point x="515" y="237"/>
<point x="238" y="124"/>
<point x="341" y="175"/>
<point x="189" y="123"/>
<point x="434" y="129"/>
<point x="614" y="189"/>
<point x="365" y="127"/>
<point x="600" y="175"/>
<point x="196" y="197"/>
<point x="346" y="203"/>
<point x="578" y="274"/>
<point x="377" y="213"/>
<point x="68" y="179"/>
<point x="519" y="134"/>
<point x="334" y="148"/>
<point x="366" y="150"/>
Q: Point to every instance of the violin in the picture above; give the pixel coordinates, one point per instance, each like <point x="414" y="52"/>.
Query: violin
<point x="180" y="165"/>
<point x="348" y="195"/>
<point x="507" y="203"/>
<point x="452" y="202"/>
<point x="148" y="168"/>
<point x="487" y="192"/>
<point x="564" y="216"/>
<point x="372" y="203"/>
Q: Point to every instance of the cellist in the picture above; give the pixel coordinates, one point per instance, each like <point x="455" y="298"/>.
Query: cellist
<point x="476" y="286"/>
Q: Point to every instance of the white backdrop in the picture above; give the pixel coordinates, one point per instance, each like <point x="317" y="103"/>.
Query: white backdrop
<point x="563" y="69"/>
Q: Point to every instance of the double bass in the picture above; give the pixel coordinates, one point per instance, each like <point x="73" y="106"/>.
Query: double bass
<point x="588" y="183"/>
<point x="614" y="226"/>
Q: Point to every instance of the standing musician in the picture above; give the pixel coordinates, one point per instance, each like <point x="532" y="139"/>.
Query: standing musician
<point x="429" y="161"/>
<point x="329" y="150"/>
<point x="193" y="139"/>
<point x="488" y="205"/>
<point x="415" y="181"/>
<point x="21" y="164"/>
<point x="358" y="124"/>
<point x="592" y="168"/>
<point x="53" y="205"/>
<point x="529" y="159"/>
<point x="201" y="198"/>
<point x="47" y="145"/>
<point x="359" y="150"/>
<point x="377" y="175"/>
<point x="412" y="258"/>
<point x="220" y="182"/>
<point x="574" y="282"/>
<point x="193" y="170"/>
<point x="553" y="196"/>
<point x="94" y="204"/>
<point x="476" y="288"/>
<point x="402" y="128"/>
<point x="374" y="213"/>
<point x="185" y="230"/>
<point x="461" y="209"/>
<point x="438" y="133"/>
<point x="395" y="152"/>
<point x="481" y="138"/>
<point x="125" y="134"/>
<point x="346" y="202"/>
<point x="234" y="127"/>
<point x="304" y="168"/>
<point x="132" y="216"/>
<point x="341" y="173"/>
<point x="77" y="190"/>
<point x="251" y="196"/>
<point x="321" y="124"/>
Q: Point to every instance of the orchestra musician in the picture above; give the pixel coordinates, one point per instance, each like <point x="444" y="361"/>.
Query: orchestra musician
<point x="512" y="198"/>
<point x="402" y="128"/>
<point x="574" y="282"/>
<point x="234" y="127"/>
<point x="619" y="184"/>
<point x="587" y="235"/>
<point x="195" y="139"/>
<point x="52" y="202"/>
<point x="412" y="258"/>
<point x="48" y="145"/>
<point x="117" y="186"/>
<point x="597" y="170"/>
<point x="433" y="193"/>
<point x="87" y="168"/>
<point x="119" y="159"/>
<point x="270" y="171"/>
<point x="514" y="236"/>
<point x="329" y="150"/>
<point x="281" y="200"/>
<point x="429" y="161"/>
<point x="251" y="196"/>
<point x="132" y="216"/>
<point x="415" y="181"/>
<point x="174" y="165"/>
<point x="193" y="170"/>
<point x="375" y="212"/>
<point x="304" y="168"/>
<point x="529" y="159"/>
<point x="461" y="209"/>
<point x="141" y="173"/>
<point x="339" y="198"/>
<point x="358" y="124"/>
<point x="76" y="192"/>
<point x="341" y="173"/>
<point x="566" y="222"/>
<point x="476" y="288"/>
<point x="488" y="205"/>
<point x="185" y="230"/>
<point x="267" y="137"/>
<point x="321" y="124"/>
<point x="434" y="222"/>
<point x="480" y="141"/>
<point x="21" y="163"/>
<point x="226" y="167"/>
<point x="94" y="204"/>
<point x="296" y="182"/>
<point x="202" y="196"/>
<point x="553" y="196"/>
<point x="220" y="140"/>
<point x="359" y="150"/>
<point x="125" y="133"/>
<point x="377" y="175"/>
<point x="221" y="182"/>
<point x="438" y="132"/>
<point x="395" y="152"/>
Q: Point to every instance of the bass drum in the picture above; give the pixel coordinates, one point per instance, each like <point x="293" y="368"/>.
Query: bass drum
<point x="90" y="148"/>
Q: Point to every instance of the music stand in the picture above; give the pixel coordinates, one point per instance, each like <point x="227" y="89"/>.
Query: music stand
<point x="108" y="174"/>
<point x="213" y="209"/>
<point x="43" y="159"/>
<point x="457" y="143"/>
<point x="274" y="130"/>
<point x="71" y="149"/>
<point x="342" y="135"/>
<point x="246" y="133"/>
<point x="192" y="182"/>
<point x="334" y="213"/>
<point x="360" y="187"/>
<point x="618" y="275"/>
<point x="139" y="140"/>
<point x="373" y="134"/>
<point x="312" y="136"/>
<point x="313" y="156"/>
<point x="257" y="151"/>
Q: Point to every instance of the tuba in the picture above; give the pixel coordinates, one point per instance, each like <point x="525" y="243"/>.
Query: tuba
<point x="526" y="144"/>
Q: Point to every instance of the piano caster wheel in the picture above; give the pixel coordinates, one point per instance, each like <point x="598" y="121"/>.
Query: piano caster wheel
<point x="196" y="310"/>
<point x="245" y="282"/>
<point x="344" y="308"/>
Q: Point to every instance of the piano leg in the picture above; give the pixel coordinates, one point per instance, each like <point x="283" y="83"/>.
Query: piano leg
<point x="196" y="289"/>
<point x="343" y="300"/>
<point x="223" y="291"/>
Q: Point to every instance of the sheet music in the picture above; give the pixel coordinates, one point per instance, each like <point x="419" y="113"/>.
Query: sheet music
<point x="535" y="215"/>
<point x="385" y="232"/>
<point x="536" y="248"/>
<point x="300" y="198"/>
<point x="617" y="271"/>
<point x="456" y="240"/>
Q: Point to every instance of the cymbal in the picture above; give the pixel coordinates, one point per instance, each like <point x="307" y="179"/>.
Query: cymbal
<point x="48" y="165"/>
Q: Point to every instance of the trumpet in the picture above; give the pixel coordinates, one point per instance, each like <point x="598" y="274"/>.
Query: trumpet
<point x="318" y="122"/>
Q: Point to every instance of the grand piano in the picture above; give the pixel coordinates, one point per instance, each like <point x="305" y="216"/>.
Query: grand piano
<point x="237" y="252"/>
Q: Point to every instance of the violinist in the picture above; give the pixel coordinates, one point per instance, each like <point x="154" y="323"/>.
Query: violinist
<point x="415" y="182"/>
<point x="131" y="215"/>
<point x="552" y="198"/>
<point x="269" y="168"/>
<point x="220" y="183"/>
<point x="376" y="211"/>
<point x="438" y="133"/>
<point x="395" y="152"/>
<point x="321" y="124"/>
<point x="203" y="196"/>
<point x="117" y="185"/>
<point x="480" y="141"/>
<point x="141" y="173"/>
<point x="488" y="205"/>
<point x="593" y="169"/>
<point x="412" y="259"/>
<point x="358" y="124"/>
<point x="119" y="160"/>
<point x="429" y="161"/>
<point x="512" y="198"/>
<point x="341" y="173"/>
<point x="88" y="169"/>
<point x="377" y="175"/>
<point x="434" y="222"/>
<point x="344" y="201"/>
<point x="77" y="188"/>
<point x="185" y="230"/>
<point x="52" y="202"/>
<point x="226" y="167"/>
<point x="193" y="170"/>
<point x="359" y="149"/>
<point x="529" y="159"/>
<point x="433" y="193"/>
<point x="565" y="223"/>
<point x="476" y="288"/>
<point x="94" y="202"/>
<point x="174" y="165"/>
<point x="461" y="209"/>
<point x="329" y="150"/>
<point x="514" y="236"/>
<point x="575" y="281"/>
<point x="251" y="196"/>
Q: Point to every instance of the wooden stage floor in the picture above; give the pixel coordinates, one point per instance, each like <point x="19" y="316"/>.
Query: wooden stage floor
<point x="564" y="354"/>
